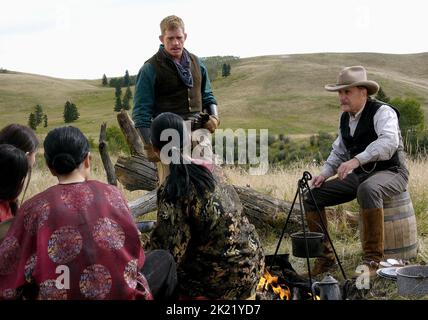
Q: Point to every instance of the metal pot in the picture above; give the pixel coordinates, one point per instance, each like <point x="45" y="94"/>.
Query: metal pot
<point x="315" y="244"/>
<point x="412" y="280"/>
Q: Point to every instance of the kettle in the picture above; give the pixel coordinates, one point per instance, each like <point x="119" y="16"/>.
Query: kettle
<point x="329" y="288"/>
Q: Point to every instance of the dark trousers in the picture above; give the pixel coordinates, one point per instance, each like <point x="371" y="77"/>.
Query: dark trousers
<point x="369" y="189"/>
<point x="161" y="274"/>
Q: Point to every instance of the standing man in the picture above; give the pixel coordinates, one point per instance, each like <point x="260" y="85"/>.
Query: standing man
<point x="369" y="160"/>
<point x="173" y="80"/>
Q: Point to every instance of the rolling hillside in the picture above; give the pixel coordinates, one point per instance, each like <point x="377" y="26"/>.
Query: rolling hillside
<point x="283" y="93"/>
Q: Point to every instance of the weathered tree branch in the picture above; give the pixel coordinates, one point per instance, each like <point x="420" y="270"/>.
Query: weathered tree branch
<point x="132" y="136"/>
<point x="103" y="148"/>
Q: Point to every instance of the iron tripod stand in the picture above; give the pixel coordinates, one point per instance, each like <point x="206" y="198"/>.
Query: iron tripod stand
<point x="302" y="188"/>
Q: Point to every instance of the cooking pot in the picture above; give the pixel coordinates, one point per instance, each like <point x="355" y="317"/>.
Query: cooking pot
<point x="315" y="244"/>
<point x="412" y="280"/>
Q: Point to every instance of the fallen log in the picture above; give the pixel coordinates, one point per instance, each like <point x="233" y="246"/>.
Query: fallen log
<point x="263" y="211"/>
<point x="144" y="204"/>
<point x="136" y="173"/>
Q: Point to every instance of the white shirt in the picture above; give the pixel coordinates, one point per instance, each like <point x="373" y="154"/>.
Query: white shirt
<point x="383" y="148"/>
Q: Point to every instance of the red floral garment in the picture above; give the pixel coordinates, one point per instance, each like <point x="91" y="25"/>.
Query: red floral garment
<point x="5" y="212"/>
<point x="74" y="241"/>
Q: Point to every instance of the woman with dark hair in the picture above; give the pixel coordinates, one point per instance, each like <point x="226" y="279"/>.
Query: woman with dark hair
<point x="80" y="226"/>
<point x="23" y="138"/>
<point x="200" y="221"/>
<point x="13" y="170"/>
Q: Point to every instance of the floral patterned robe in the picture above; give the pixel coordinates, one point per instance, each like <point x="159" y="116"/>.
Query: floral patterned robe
<point x="73" y="241"/>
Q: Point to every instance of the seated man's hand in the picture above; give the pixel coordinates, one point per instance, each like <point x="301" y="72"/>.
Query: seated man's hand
<point x="211" y="124"/>
<point x="318" y="181"/>
<point x="346" y="167"/>
<point x="150" y="153"/>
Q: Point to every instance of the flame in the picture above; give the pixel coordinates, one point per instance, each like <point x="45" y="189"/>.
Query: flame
<point x="316" y="296"/>
<point x="268" y="280"/>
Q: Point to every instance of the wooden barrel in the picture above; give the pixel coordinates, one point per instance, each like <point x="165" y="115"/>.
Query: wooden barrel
<point x="401" y="240"/>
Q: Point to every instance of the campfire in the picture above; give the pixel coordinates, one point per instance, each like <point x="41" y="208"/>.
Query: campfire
<point x="281" y="282"/>
<point x="271" y="282"/>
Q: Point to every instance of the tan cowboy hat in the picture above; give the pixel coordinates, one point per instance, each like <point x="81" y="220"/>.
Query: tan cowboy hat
<point x="355" y="76"/>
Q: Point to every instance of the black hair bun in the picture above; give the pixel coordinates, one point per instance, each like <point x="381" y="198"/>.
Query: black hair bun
<point x="63" y="163"/>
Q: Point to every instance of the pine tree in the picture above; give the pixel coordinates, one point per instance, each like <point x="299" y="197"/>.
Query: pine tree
<point x="125" y="103"/>
<point x="74" y="112"/>
<point x="118" y="92"/>
<point x="32" y="123"/>
<point x="225" y="71"/>
<point x="128" y="93"/>
<point x="45" y="120"/>
<point x="126" y="80"/>
<point x="381" y="96"/>
<point x="105" y="81"/>
<point x="67" y="112"/>
<point x="38" y="112"/>
<point x="118" y="104"/>
<point x="70" y="112"/>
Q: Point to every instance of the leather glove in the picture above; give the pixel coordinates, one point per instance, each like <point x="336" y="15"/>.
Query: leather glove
<point x="150" y="153"/>
<point x="211" y="124"/>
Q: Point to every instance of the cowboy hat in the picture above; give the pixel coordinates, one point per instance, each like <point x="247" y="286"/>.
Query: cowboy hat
<point x="355" y="76"/>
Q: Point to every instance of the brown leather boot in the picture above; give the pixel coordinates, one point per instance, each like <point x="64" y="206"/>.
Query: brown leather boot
<point x="327" y="260"/>
<point x="372" y="237"/>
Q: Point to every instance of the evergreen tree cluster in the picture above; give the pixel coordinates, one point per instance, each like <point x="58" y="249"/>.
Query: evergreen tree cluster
<point x="125" y="102"/>
<point x="122" y="82"/>
<point x="37" y="117"/>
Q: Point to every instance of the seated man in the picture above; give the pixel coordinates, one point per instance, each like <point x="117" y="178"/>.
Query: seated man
<point x="368" y="158"/>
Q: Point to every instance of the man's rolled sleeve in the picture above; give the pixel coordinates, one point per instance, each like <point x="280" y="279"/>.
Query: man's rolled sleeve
<point x="144" y="97"/>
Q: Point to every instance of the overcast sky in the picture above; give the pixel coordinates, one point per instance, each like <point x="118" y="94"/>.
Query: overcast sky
<point x="85" y="38"/>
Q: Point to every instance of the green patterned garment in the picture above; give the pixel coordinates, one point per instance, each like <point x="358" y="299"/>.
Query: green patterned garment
<point x="217" y="250"/>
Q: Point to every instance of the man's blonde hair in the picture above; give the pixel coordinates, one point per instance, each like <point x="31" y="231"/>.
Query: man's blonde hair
<point x="171" y="23"/>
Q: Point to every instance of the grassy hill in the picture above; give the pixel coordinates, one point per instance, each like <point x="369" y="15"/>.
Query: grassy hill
<point x="283" y="93"/>
<point x="286" y="93"/>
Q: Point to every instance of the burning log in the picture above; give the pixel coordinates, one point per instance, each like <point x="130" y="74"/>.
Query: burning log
<point x="281" y="281"/>
<point x="267" y="281"/>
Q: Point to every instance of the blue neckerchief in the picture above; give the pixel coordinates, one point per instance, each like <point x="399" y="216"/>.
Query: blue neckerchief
<point x="183" y="68"/>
